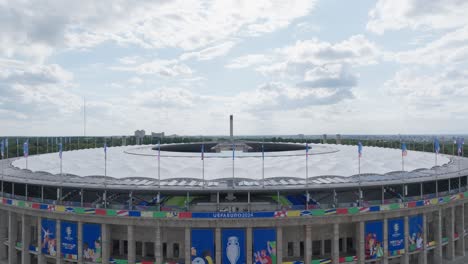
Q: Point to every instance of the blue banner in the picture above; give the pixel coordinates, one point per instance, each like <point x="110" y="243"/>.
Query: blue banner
<point x="416" y="240"/>
<point x="396" y="236"/>
<point x="92" y="242"/>
<point x="233" y="246"/>
<point x="233" y="215"/>
<point x="49" y="238"/>
<point x="203" y="246"/>
<point x="69" y="240"/>
<point x="374" y="239"/>
<point x="264" y="246"/>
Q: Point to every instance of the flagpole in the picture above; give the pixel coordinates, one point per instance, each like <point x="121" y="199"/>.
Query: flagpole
<point x="307" y="166"/>
<point x="233" y="155"/>
<point x="159" y="164"/>
<point x="263" y="166"/>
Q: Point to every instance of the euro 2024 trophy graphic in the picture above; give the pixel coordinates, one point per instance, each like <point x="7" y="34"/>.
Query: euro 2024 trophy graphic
<point x="233" y="249"/>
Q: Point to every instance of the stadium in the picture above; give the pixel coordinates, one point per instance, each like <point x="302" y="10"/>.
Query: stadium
<point x="233" y="201"/>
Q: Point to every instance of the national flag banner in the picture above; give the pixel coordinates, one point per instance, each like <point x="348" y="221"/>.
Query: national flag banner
<point x="360" y="149"/>
<point x="404" y="150"/>
<point x="26" y="149"/>
<point x="436" y="145"/>
<point x="459" y="146"/>
<point x="60" y="150"/>
<point x="202" y="151"/>
<point x="105" y="147"/>
<point x="2" y="146"/>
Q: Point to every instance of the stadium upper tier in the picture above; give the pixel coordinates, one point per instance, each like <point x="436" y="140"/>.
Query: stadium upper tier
<point x="142" y="162"/>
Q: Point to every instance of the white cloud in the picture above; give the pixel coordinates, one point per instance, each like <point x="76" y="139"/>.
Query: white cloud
<point x="165" y="68"/>
<point x="417" y="14"/>
<point x="248" y="61"/>
<point x="210" y="52"/>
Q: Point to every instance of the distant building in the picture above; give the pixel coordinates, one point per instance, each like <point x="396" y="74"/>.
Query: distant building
<point x="157" y="135"/>
<point x="338" y="139"/>
<point x="324" y="139"/>
<point x="139" y="136"/>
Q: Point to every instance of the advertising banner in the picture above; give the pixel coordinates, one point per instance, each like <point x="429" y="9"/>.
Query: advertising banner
<point x="374" y="239"/>
<point x="264" y="246"/>
<point x="49" y="239"/>
<point x="203" y="246"/>
<point x="416" y="241"/>
<point x="92" y="242"/>
<point x="396" y="236"/>
<point x="233" y="246"/>
<point x="69" y="240"/>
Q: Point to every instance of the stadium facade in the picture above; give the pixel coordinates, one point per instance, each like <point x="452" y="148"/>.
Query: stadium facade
<point x="412" y="215"/>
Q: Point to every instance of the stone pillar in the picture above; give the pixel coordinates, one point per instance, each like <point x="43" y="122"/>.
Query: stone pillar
<point x="25" y="239"/>
<point x="423" y="255"/>
<point x="3" y="234"/>
<point x="308" y="244"/>
<point x="157" y="245"/>
<point x="131" y="249"/>
<point x="406" y="240"/>
<point x="336" y="244"/>
<point x="106" y="243"/>
<point x="361" y="254"/>
<point x="344" y="245"/>
<point x="187" y="255"/>
<point x="450" y="227"/>
<point x="12" y="237"/>
<point x="385" y="241"/>
<point x="58" y="238"/>
<point x="121" y="247"/>
<point x="279" y="245"/>
<point x="460" y="229"/>
<point x="80" y="242"/>
<point x="296" y="248"/>
<point x="218" y="246"/>
<point x="438" y="236"/>
<point x="40" y="256"/>
<point x="249" y="244"/>
<point x="143" y="249"/>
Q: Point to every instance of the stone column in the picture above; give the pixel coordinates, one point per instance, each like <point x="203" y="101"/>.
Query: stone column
<point x="308" y="244"/>
<point x="406" y="240"/>
<point x="80" y="242"/>
<point x="187" y="255"/>
<point x="279" y="245"/>
<point x="460" y="229"/>
<point x="423" y="255"/>
<point x="121" y="247"/>
<point x="3" y="234"/>
<point x="218" y="245"/>
<point x="157" y="245"/>
<point x="40" y="256"/>
<point x="385" y="241"/>
<point x="58" y="239"/>
<point x="322" y="247"/>
<point x="344" y="245"/>
<point x="143" y="249"/>
<point x="25" y="239"/>
<point x="450" y="227"/>
<point x="106" y="243"/>
<point x="131" y="244"/>
<point x="361" y="254"/>
<point x="336" y="244"/>
<point x="249" y="244"/>
<point x="438" y="236"/>
<point x="12" y="237"/>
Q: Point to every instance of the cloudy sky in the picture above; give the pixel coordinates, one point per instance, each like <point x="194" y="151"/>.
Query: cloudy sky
<point x="281" y="67"/>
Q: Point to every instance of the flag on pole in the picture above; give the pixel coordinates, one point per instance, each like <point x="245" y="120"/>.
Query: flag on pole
<point x="6" y="143"/>
<point x="436" y="145"/>
<point x="233" y="150"/>
<point x="60" y="150"/>
<point x="105" y="147"/>
<point x="202" y="151"/>
<point x="459" y="146"/>
<point x="359" y="149"/>
<point x="404" y="151"/>
<point x="2" y="147"/>
<point x="26" y="149"/>
<point x="307" y="149"/>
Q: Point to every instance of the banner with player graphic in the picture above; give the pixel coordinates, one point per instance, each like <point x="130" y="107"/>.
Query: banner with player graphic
<point x="69" y="240"/>
<point x="203" y="246"/>
<point x="92" y="243"/>
<point x="416" y="240"/>
<point x="264" y="246"/>
<point x="374" y="239"/>
<point x="233" y="246"/>
<point x="49" y="238"/>
<point x="396" y="236"/>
